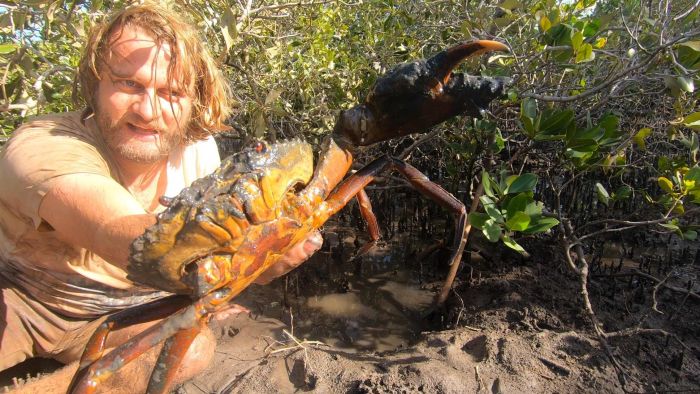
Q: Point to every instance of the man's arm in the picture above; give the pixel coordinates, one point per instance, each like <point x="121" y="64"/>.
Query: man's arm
<point x="96" y="213"/>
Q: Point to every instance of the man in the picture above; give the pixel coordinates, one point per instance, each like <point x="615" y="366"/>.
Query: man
<point x="79" y="187"/>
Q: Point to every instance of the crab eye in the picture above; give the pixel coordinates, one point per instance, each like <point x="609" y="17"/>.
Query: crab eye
<point x="260" y="147"/>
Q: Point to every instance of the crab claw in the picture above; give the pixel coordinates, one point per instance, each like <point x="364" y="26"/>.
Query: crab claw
<point x="416" y="96"/>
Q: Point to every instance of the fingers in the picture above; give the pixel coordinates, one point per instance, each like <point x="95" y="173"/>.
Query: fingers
<point x="293" y="258"/>
<point x="230" y="311"/>
<point x="312" y="244"/>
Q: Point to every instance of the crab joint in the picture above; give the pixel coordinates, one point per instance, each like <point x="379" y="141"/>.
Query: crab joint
<point x="219" y="234"/>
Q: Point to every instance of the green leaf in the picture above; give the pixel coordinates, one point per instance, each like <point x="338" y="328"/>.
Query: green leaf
<point x="585" y="53"/>
<point x="534" y="209"/>
<point x="491" y="230"/>
<point x="528" y="108"/>
<point x="228" y="28"/>
<point x="541" y="225"/>
<point x="623" y="192"/>
<point x="509" y="242"/>
<point x="558" y="35"/>
<point x="576" y="40"/>
<point x="528" y="113"/>
<point x="694" y="45"/>
<point x="693" y="174"/>
<point x="7" y="48"/>
<point x="690" y="235"/>
<point x="518" y="203"/>
<point x="640" y="138"/>
<point x="477" y="219"/>
<point x="692" y="121"/>
<point x="686" y="84"/>
<point x="498" y="143"/>
<point x="603" y="195"/>
<point x="510" y="4"/>
<point x="486" y="181"/>
<point x="524" y="183"/>
<point x="518" y="222"/>
<point x="272" y="96"/>
<point x="528" y="126"/>
<point x="556" y="123"/>
<point x="665" y="184"/>
<point x="494" y="213"/>
<point x="545" y="24"/>
<point x="586" y="136"/>
<point x="610" y="124"/>
<point x="688" y="56"/>
<point x="671" y="226"/>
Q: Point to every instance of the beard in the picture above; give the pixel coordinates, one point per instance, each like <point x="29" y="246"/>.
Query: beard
<point x="144" y="152"/>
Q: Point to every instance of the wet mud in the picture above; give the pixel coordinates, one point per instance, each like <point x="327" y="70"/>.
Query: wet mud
<point x="510" y="325"/>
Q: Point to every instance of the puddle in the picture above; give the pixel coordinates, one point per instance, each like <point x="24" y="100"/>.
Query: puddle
<point x="372" y="305"/>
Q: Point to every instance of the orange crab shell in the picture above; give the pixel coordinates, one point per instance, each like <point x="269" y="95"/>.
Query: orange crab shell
<point x="244" y="206"/>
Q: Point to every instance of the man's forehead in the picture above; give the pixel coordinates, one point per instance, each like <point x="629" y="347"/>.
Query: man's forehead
<point x="133" y="51"/>
<point x="136" y="45"/>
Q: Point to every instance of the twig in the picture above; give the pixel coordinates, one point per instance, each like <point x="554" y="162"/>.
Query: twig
<point x="299" y="344"/>
<point x="686" y="13"/>
<point x="645" y="331"/>
<point x="654" y="303"/>
<point x="672" y="316"/>
<point x="674" y="288"/>
<point x="580" y="267"/>
<point x="613" y="78"/>
<point x="419" y="141"/>
<point x="478" y="379"/>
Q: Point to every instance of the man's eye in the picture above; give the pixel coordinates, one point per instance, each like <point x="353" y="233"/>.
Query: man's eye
<point x="173" y="95"/>
<point x="128" y="83"/>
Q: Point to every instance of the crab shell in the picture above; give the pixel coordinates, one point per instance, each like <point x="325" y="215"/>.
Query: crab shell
<point x="246" y="205"/>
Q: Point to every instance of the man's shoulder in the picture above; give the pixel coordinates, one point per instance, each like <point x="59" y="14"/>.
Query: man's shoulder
<point x="55" y="124"/>
<point x="49" y="142"/>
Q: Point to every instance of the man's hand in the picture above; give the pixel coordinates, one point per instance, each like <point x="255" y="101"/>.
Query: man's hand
<point x="294" y="257"/>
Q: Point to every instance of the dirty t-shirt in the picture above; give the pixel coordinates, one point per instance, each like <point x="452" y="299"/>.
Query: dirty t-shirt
<point x="70" y="280"/>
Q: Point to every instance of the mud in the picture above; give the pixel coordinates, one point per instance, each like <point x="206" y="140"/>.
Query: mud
<point x="512" y="325"/>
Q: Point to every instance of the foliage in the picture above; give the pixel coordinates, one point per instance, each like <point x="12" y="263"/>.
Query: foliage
<point x="605" y="89"/>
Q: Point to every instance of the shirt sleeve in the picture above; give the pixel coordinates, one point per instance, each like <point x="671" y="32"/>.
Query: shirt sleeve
<point x="39" y="152"/>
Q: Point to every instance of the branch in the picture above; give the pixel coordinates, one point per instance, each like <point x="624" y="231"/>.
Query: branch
<point x="614" y="78"/>
<point x="628" y="225"/>
<point x="691" y="9"/>
<point x="648" y="331"/>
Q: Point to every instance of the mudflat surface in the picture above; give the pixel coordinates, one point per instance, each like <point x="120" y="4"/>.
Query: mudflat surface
<point x="510" y="326"/>
<point x="513" y="326"/>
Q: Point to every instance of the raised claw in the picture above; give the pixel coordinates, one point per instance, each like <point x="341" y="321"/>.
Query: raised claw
<point x="415" y="96"/>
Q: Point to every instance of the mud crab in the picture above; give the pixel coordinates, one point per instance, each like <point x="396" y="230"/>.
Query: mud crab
<point x="217" y="236"/>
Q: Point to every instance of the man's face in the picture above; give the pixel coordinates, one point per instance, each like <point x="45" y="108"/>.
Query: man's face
<point x="140" y="113"/>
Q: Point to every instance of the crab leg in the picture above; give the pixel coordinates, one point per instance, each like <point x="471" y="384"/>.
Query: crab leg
<point x="95" y="370"/>
<point x="367" y="214"/>
<point x="355" y="184"/>
<point x="372" y="225"/>
<point x="170" y="358"/>
<point x="155" y="310"/>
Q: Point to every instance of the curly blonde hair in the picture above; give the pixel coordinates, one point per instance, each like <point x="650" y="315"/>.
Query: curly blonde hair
<point x="190" y="61"/>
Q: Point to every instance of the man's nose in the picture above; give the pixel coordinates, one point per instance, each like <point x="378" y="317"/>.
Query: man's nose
<point x="147" y="106"/>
